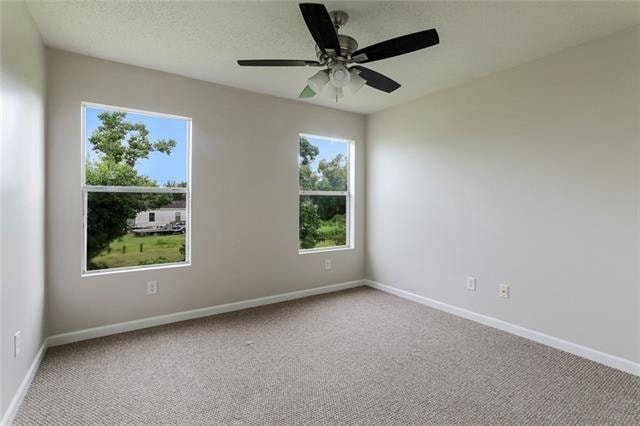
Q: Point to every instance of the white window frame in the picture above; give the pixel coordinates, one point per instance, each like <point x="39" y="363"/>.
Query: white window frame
<point x="349" y="194"/>
<point x="133" y="189"/>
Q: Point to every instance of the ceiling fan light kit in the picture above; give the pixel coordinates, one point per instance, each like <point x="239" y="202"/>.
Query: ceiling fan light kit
<point x="336" y="52"/>
<point x="332" y="81"/>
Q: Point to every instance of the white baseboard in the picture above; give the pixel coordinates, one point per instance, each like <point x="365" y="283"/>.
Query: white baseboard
<point x="106" y="330"/>
<point x="60" y="339"/>
<point x="564" y="345"/>
<point x="12" y="410"/>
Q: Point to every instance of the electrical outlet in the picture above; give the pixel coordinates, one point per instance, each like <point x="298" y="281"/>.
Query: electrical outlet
<point x="471" y="283"/>
<point x="152" y="288"/>
<point x="327" y="264"/>
<point x="16" y="344"/>
<point x="504" y="291"/>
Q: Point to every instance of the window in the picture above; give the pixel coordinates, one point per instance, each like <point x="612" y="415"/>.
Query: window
<point x="136" y="169"/>
<point x="325" y="207"/>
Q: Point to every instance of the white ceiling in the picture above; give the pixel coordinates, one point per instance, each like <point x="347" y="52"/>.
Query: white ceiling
<point x="203" y="40"/>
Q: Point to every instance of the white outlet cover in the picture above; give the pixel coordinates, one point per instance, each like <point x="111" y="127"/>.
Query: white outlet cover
<point x="327" y="264"/>
<point x="504" y="291"/>
<point x="16" y="344"/>
<point x="152" y="287"/>
<point x="471" y="283"/>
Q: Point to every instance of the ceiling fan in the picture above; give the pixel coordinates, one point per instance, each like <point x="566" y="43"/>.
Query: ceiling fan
<point x="336" y="52"/>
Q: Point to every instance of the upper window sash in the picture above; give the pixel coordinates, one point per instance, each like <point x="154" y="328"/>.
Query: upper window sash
<point x="347" y="152"/>
<point x="178" y="130"/>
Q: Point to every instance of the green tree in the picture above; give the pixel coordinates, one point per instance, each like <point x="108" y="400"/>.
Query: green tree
<point x="308" y="153"/>
<point x="176" y="184"/>
<point x="119" y="145"/>
<point x="333" y="174"/>
<point x="120" y="141"/>
<point x="333" y="177"/>
<point x="309" y="224"/>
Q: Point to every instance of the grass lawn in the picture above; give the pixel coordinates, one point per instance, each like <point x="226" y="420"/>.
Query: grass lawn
<point x="331" y="233"/>
<point x="155" y="249"/>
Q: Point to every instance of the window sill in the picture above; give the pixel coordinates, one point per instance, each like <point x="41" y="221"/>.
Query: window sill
<point x="134" y="269"/>
<point x="325" y="249"/>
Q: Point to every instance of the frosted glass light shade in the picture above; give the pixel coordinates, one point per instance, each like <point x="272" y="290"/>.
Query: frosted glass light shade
<point x="340" y="76"/>
<point x="356" y="82"/>
<point x="318" y="81"/>
<point x="333" y="92"/>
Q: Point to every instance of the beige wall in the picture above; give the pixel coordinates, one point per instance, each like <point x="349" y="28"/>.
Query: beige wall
<point x="22" y="204"/>
<point x="245" y="195"/>
<point x="528" y="177"/>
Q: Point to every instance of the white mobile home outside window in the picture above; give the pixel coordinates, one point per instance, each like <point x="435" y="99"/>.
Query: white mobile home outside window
<point x="325" y="198"/>
<point x="136" y="189"/>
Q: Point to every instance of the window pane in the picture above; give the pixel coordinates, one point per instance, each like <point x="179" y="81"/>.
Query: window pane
<point x="133" y="229"/>
<point x="323" y="164"/>
<point x="322" y="221"/>
<point x="129" y="149"/>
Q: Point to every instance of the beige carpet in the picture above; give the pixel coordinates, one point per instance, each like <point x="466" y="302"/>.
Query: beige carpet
<point x="358" y="357"/>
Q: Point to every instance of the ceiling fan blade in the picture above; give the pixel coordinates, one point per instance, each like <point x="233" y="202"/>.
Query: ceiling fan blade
<point x="377" y="80"/>
<point x="277" y="63"/>
<point x="307" y="92"/>
<point x="396" y="46"/>
<point x="320" y="26"/>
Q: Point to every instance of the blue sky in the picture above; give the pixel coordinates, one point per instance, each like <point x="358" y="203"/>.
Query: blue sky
<point x="328" y="150"/>
<point x="159" y="167"/>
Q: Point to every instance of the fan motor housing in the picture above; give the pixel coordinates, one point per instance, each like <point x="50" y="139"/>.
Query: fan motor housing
<point x="348" y="45"/>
